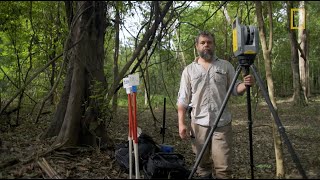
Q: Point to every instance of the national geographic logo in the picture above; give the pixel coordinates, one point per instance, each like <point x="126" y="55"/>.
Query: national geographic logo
<point x="298" y="18"/>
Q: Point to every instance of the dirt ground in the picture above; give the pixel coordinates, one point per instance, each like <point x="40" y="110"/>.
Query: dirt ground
<point x="20" y="155"/>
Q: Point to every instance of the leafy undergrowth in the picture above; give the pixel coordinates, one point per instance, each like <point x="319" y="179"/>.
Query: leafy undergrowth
<point x="20" y="153"/>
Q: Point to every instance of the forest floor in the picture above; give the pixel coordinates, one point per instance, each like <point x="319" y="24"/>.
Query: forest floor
<point x="21" y="157"/>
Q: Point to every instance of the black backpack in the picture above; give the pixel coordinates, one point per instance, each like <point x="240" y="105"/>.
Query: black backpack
<point x="163" y="165"/>
<point x="146" y="147"/>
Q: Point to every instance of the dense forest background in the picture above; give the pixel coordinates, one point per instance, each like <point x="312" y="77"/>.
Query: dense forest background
<point x="62" y="66"/>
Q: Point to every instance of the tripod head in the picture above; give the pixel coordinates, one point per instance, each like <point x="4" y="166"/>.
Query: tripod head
<point x="245" y="42"/>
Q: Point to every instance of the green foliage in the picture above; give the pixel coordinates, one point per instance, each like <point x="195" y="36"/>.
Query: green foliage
<point x="32" y="33"/>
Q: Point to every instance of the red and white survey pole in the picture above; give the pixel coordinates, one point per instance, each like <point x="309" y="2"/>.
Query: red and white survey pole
<point x="130" y="84"/>
<point x="127" y="86"/>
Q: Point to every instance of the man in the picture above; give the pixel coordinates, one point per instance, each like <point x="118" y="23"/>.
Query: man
<point x="204" y="85"/>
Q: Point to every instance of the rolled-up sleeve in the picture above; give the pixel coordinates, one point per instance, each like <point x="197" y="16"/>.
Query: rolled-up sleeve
<point x="184" y="93"/>
<point x="231" y="75"/>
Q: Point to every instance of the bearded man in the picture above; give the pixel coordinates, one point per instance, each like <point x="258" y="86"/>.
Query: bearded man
<point x="203" y="87"/>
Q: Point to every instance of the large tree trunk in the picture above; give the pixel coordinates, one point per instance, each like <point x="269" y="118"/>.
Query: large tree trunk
<point x="298" y="97"/>
<point x="75" y="121"/>
<point x="280" y="173"/>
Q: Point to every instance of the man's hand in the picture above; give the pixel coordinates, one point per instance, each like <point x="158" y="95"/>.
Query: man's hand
<point x="248" y="80"/>
<point x="182" y="125"/>
<point x="183" y="131"/>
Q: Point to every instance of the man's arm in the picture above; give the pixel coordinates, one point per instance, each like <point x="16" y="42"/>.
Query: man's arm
<point x="181" y="121"/>
<point x="184" y="98"/>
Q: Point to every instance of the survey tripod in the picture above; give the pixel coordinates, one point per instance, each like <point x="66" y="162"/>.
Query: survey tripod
<point x="246" y="62"/>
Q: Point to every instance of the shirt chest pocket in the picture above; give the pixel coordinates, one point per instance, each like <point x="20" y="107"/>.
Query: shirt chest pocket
<point x="196" y="80"/>
<point x="220" y="76"/>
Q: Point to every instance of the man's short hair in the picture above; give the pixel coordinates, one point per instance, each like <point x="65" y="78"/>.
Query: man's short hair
<point x="204" y="33"/>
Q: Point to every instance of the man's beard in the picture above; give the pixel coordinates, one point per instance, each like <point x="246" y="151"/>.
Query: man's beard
<point x="206" y="55"/>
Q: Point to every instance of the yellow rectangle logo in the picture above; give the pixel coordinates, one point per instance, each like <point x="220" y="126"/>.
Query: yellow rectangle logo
<point x="234" y="40"/>
<point x="297" y="18"/>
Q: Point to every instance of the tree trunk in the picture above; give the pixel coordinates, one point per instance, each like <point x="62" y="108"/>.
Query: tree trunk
<point x="75" y="121"/>
<point x="146" y="83"/>
<point x="303" y="61"/>
<point x="227" y="24"/>
<point x="182" y="60"/>
<point x="298" y="98"/>
<point x="53" y="46"/>
<point x="280" y="173"/>
<point x="115" y="61"/>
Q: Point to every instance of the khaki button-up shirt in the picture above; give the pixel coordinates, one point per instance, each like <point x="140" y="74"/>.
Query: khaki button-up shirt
<point x="204" y="90"/>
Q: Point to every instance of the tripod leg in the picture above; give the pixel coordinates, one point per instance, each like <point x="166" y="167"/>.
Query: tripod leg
<point x="216" y="122"/>
<point x="278" y="122"/>
<point x="246" y="70"/>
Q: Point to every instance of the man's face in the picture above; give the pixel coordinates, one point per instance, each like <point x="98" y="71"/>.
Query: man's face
<point x="205" y="47"/>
